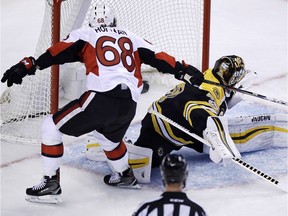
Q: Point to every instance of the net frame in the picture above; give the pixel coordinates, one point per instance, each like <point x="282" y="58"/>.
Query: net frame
<point x="27" y="110"/>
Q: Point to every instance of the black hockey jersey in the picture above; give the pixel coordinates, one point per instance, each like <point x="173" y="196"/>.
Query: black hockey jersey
<point x="189" y="106"/>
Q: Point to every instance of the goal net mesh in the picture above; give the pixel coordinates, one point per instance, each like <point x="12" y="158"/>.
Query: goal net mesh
<point x="175" y="27"/>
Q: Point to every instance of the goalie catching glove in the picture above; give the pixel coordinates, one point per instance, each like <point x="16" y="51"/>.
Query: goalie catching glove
<point x="189" y="74"/>
<point x="15" y="74"/>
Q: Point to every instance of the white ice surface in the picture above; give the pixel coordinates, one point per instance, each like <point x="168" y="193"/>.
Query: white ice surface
<point x="256" y="30"/>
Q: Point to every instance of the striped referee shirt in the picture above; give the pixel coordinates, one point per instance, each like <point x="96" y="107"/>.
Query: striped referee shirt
<point x="170" y="203"/>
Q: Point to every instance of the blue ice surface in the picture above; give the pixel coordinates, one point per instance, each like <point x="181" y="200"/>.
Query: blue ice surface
<point x="203" y="173"/>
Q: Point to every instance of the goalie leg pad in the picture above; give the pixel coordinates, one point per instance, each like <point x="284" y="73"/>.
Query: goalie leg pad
<point x="253" y="133"/>
<point x="94" y="150"/>
<point x="139" y="159"/>
<point x="116" y="152"/>
<point x="222" y="146"/>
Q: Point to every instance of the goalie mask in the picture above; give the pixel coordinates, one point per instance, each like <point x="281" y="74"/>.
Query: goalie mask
<point x="231" y="69"/>
<point x="102" y="15"/>
<point x="174" y="169"/>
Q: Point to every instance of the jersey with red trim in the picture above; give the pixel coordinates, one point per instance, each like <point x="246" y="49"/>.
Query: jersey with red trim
<point x="112" y="56"/>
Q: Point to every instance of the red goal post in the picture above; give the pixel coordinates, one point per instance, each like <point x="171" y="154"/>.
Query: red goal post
<point x="181" y="28"/>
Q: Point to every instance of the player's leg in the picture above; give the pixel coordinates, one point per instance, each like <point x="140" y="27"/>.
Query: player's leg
<point x="117" y="158"/>
<point x="109" y="115"/>
<point x="64" y="121"/>
<point x="149" y="138"/>
<point x="139" y="158"/>
<point x="146" y="146"/>
<point x="118" y="109"/>
<point x="73" y="119"/>
<point x="49" y="190"/>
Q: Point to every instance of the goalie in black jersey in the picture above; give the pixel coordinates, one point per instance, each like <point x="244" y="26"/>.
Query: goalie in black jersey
<point x="196" y="108"/>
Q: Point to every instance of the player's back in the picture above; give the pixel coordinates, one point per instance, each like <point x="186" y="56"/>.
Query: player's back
<point x="170" y="203"/>
<point x="111" y="58"/>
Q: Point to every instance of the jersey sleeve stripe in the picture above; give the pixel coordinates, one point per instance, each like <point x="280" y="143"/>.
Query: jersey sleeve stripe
<point x="164" y="56"/>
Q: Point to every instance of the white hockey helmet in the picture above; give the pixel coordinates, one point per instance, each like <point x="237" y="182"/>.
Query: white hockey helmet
<point x="102" y="15"/>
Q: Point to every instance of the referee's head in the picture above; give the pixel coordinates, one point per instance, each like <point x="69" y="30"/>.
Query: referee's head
<point x="174" y="170"/>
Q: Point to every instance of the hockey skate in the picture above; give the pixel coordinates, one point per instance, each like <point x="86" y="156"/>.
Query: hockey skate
<point x="48" y="191"/>
<point x="125" y="179"/>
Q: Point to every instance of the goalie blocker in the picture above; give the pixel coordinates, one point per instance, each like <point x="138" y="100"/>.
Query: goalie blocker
<point x="249" y="133"/>
<point x="222" y="146"/>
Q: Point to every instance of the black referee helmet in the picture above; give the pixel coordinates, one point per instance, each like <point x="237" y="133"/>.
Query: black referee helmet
<point x="174" y="169"/>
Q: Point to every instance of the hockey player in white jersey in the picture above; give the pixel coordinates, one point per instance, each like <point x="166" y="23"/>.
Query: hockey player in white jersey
<point x="112" y="57"/>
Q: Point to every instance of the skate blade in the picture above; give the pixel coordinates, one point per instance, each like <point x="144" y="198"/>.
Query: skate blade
<point x="136" y="186"/>
<point x="48" y="199"/>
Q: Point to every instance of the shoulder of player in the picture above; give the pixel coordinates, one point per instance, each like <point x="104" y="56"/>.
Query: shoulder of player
<point x="107" y="30"/>
<point x="153" y="200"/>
<point x="148" y="203"/>
<point x="208" y="75"/>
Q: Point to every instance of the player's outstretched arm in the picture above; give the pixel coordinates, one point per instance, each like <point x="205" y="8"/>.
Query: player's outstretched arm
<point x="189" y="74"/>
<point x="15" y="74"/>
<point x="165" y="63"/>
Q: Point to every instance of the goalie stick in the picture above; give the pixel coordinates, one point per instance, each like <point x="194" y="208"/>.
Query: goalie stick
<point x="238" y="161"/>
<point x="248" y="93"/>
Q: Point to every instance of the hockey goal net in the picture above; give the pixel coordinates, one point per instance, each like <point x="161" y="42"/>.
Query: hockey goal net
<point x="181" y="28"/>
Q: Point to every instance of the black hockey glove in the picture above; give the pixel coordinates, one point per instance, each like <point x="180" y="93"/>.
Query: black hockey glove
<point x="16" y="73"/>
<point x="189" y="74"/>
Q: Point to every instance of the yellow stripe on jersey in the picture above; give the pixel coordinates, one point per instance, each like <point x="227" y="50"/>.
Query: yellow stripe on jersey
<point x="192" y="105"/>
<point x="216" y="92"/>
<point x="154" y="120"/>
<point x="163" y="128"/>
<point x="222" y="134"/>
<point x="245" y="136"/>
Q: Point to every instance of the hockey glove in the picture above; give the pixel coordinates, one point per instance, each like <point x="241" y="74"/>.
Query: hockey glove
<point x="16" y="73"/>
<point x="189" y="74"/>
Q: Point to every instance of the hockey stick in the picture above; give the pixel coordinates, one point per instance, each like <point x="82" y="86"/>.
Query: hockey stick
<point x="238" y="161"/>
<point x="247" y="92"/>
